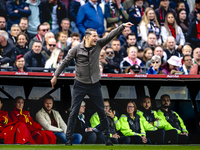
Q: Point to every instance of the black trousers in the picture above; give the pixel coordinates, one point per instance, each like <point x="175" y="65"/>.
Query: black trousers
<point x="80" y="90"/>
<point x="121" y="140"/>
<point x="171" y="137"/>
<point x="89" y="137"/>
<point x="156" y="137"/>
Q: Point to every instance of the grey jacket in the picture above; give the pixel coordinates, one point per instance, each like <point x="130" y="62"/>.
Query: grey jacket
<point x="87" y="64"/>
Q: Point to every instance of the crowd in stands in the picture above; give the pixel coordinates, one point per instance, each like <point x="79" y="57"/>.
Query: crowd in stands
<point x="39" y="33"/>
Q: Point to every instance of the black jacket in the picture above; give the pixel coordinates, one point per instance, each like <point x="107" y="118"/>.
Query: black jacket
<point x="124" y="48"/>
<point x="169" y="54"/>
<point x="148" y="115"/>
<point x="16" y="69"/>
<point x="81" y="125"/>
<point x="73" y="10"/>
<point x="134" y="124"/>
<point x="47" y="7"/>
<point x="32" y="61"/>
<point x="111" y="66"/>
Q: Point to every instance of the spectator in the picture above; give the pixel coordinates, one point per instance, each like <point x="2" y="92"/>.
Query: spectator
<point x="35" y="19"/>
<point x="7" y="48"/>
<point x="90" y="15"/>
<point x="19" y="133"/>
<point x="62" y="43"/>
<point x="187" y="64"/>
<point x="193" y="33"/>
<point x="48" y="49"/>
<point x="155" y="66"/>
<point x="115" y="13"/>
<point x="51" y="120"/>
<point x="153" y="3"/>
<point x="172" y="64"/>
<point x="54" y="11"/>
<point x="130" y="41"/>
<point x="2" y="23"/>
<point x="148" y="53"/>
<point x="47" y="36"/>
<point x="187" y="50"/>
<point x="82" y="127"/>
<point x="34" y="57"/>
<point x="140" y="54"/>
<point x="3" y="8"/>
<point x="131" y="59"/>
<point x="41" y="30"/>
<point x="113" y="125"/>
<point x="135" y="69"/>
<point x="73" y="11"/>
<point x="135" y="130"/>
<point x="193" y="15"/>
<point x="23" y="24"/>
<point x="180" y="5"/>
<point x="129" y="3"/>
<point x="21" y="46"/>
<point x="149" y="23"/>
<point x="111" y="65"/>
<point x="163" y="10"/>
<point x="16" y="9"/>
<point x="123" y="36"/>
<point x="74" y="37"/>
<point x="115" y="45"/>
<point x="196" y="61"/>
<point x="182" y="21"/>
<point x="14" y="32"/>
<point x="55" y="60"/>
<point x="151" y="41"/>
<point x="19" y="115"/>
<point x="173" y="119"/>
<point x="170" y="48"/>
<point x="19" y="65"/>
<point x="136" y="11"/>
<point x="171" y="28"/>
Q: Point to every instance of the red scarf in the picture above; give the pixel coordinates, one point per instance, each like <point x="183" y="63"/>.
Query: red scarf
<point x="39" y="38"/>
<point x="173" y="31"/>
<point x="198" y="29"/>
<point x="142" y="12"/>
<point x="162" y="17"/>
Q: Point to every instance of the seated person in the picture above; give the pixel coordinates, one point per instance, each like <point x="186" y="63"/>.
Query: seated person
<point x="82" y="127"/>
<point x="155" y="66"/>
<point x="173" y="119"/>
<point x="34" y="57"/>
<point x="62" y="40"/>
<point x="55" y="60"/>
<point x="14" y="32"/>
<point x="51" y="120"/>
<point x="187" y="64"/>
<point x="50" y="46"/>
<point x="19" y="65"/>
<point x="131" y="59"/>
<point x="135" y="69"/>
<point x="151" y="41"/>
<point x="113" y="125"/>
<point x="132" y="126"/>
<point x="40" y="136"/>
<point x="13" y="132"/>
<point x="122" y="38"/>
<point x="148" y="53"/>
<point x="47" y="36"/>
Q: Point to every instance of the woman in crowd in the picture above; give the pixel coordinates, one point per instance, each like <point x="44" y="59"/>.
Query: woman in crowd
<point x="14" y="32"/>
<point x="19" y="65"/>
<point x="171" y="28"/>
<point x="55" y="59"/>
<point x="40" y="136"/>
<point x="131" y="59"/>
<point x="155" y="66"/>
<point x="13" y="132"/>
<point x="182" y="20"/>
<point x="149" y="23"/>
<point x="132" y="125"/>
<point x="173" y="63"/>
<point x="148" y="53"/>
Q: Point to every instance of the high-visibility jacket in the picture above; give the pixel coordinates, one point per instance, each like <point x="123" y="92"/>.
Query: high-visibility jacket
<point x="132" y="126"/>
<point x="173" y="121"/>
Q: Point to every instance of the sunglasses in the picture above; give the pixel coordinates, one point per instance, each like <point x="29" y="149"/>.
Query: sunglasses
<point x="52" y="45"/>
<point x="155" y="62"/>
<point x="44" y="30"/>
<point x="110" y="52"/>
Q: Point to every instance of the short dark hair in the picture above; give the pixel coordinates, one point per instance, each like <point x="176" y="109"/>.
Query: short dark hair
<point x="89" y="30"/>
<point x="24" y="34"/>
<point x="144" y="97"/>
<point x="48" y="97"/>
<point x="65" y="19"/>
<point x="186" y="56"/>
<point x="115" y="40"/>
<point x="75" y="34"/>
<point x="108" y="48"/>
<point x="17" y="98"/>
<point x="131" y="34"/>
<point x="37" y="41"/>
<point x="163" y="96"/>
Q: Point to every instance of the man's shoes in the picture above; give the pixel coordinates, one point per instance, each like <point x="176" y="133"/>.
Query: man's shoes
<point x="69" y="142"/>
<point x="108" y="140"/>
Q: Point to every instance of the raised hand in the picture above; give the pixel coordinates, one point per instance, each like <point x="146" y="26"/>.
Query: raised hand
<point x="128" y="24"/>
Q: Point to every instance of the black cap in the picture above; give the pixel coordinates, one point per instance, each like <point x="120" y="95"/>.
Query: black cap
<point x="197" y="1"/>
<point x="140" y="48"/>
<point x="135" y="68"/>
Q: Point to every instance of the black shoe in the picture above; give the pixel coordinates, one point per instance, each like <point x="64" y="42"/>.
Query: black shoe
<point x="108" y="140"/>
<point x="69" y="142"/>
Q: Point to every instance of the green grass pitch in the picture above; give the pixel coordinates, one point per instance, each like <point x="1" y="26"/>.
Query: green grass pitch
<point x="100" y="147"/>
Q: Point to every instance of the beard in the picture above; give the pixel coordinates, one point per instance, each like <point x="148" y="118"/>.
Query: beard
<point x="165" y="107"/>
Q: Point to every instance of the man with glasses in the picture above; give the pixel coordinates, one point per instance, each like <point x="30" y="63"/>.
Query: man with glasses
<point x="113" y="123"/>
<point x="174" y="126"/>
<point x="187" y="64"/>
<point x="50" y="46"/>
<point x="41" y="30"/>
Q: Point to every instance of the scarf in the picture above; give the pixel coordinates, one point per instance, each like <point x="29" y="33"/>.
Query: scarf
<point x="198" y="29"/>
<point x="172" y="30"/>
<point x="138" y="11"/>
<point x="39" y="38"/>
<point x="153" y="28"/>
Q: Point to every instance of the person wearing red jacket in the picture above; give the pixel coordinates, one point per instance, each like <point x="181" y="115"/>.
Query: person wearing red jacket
<point x="40" y="136"/>
<point x="13" y="132"/>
